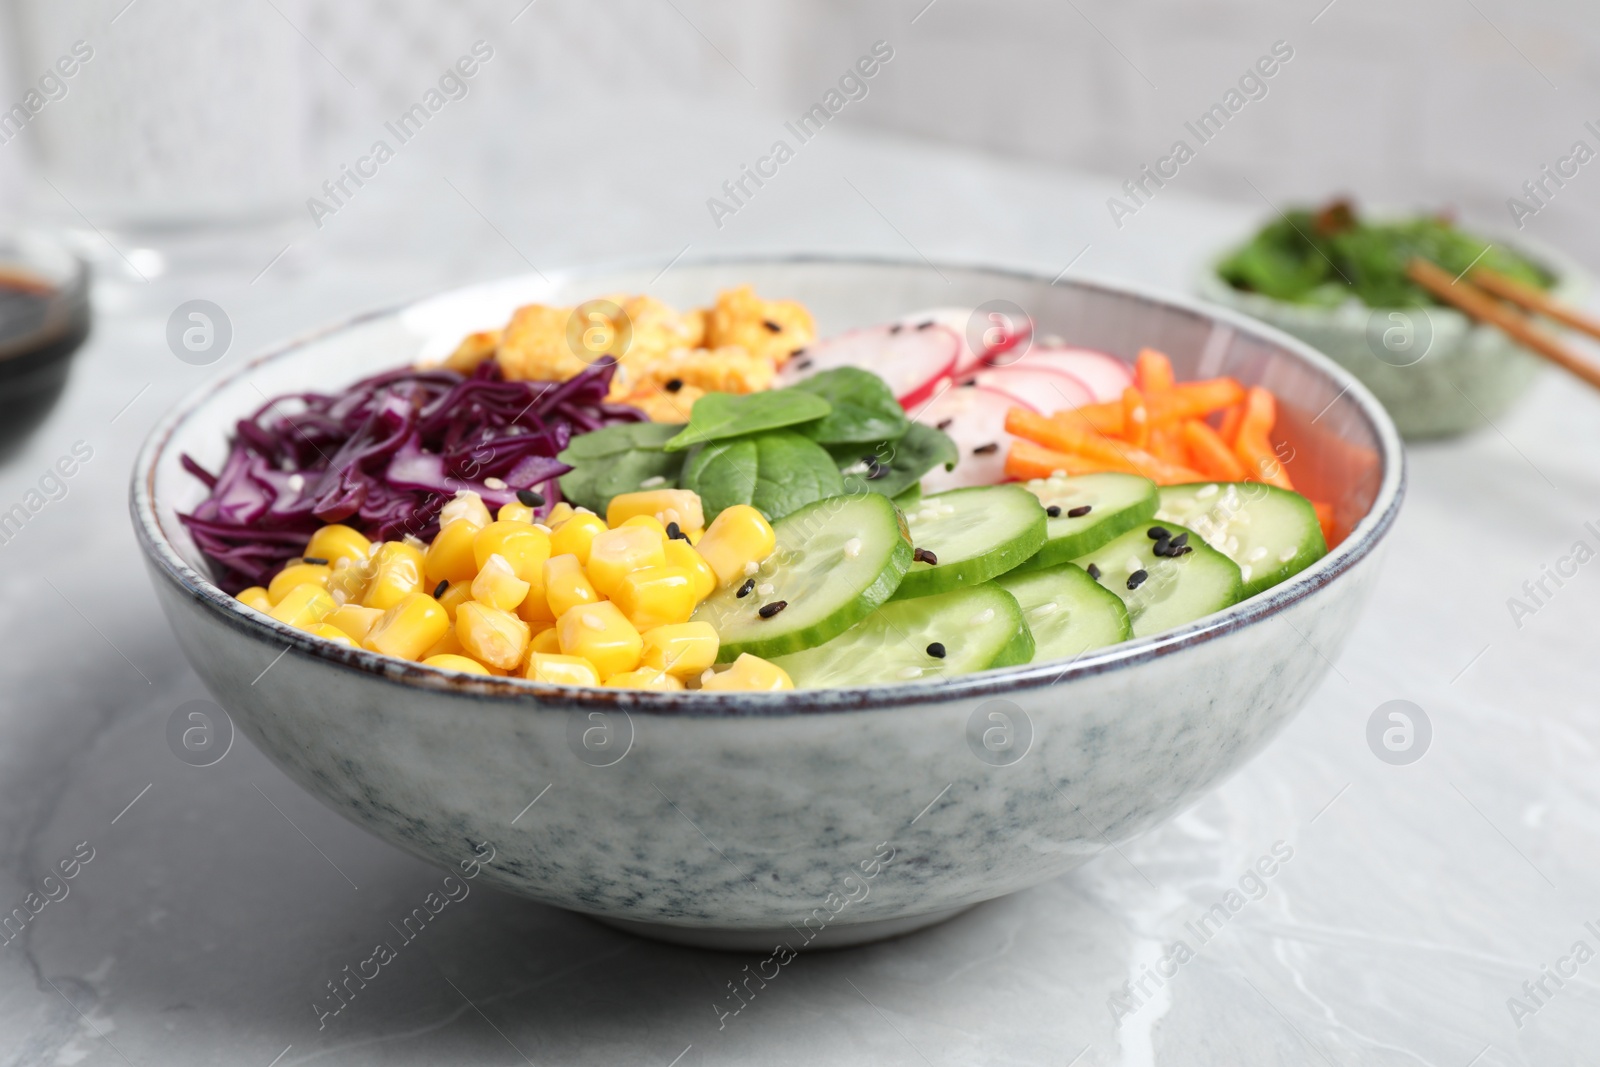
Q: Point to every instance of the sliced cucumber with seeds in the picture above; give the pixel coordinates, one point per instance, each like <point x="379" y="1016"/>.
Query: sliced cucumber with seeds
<point x="1068" y="611"/>
<point x="834" y="562"/>
<point x="1269" y="532"/>
<point x="973" y="535"/>
<point x="1109" y="504"/>
<point x="931" y="637"/>
<point x="1161" y="592"/>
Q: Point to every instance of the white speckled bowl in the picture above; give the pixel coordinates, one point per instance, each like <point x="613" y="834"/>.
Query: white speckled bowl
<point x="808" y="818"/>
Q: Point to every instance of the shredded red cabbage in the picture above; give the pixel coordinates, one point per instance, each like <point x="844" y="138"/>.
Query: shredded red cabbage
<point x="384" y="456"/>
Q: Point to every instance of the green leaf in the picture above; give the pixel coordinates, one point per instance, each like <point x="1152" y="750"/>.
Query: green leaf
<point x="902" y="462"/>
<point x="792" y="471"/>
<point x="623" y="437"/>
<point x="864" y="409"/>
<point x="593" y="482"/>
<point x="718" y="416"/>
<point x="723" y="473"/>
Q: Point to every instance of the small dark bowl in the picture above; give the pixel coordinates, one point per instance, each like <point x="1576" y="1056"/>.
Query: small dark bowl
<point x="44" y="319"/>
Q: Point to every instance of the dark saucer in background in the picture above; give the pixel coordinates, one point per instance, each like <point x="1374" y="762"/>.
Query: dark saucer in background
<point x="44" y="318"/>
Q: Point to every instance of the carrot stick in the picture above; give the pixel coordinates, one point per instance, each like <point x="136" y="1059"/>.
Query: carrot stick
<point x="1166" y="444"/>
<point x="1191" y="400"/>
<point x="1253" y="445"/>
<point x="1209" y="454"/>
<point x="1028" y="460"/>
<point x="1051" y="434"/>
<point x="1325" y="520"/>
<point x="1228" y="430"/>
<point x="1152" y="370"/>
<point x="1104" y="455"/>
<point x="1101" y="418"/>
<point x="1135" y="418"/>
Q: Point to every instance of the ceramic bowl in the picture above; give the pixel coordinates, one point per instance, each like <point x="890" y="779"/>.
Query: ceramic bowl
<point x="820" y="817"/>
<point x="1436" y="371"/>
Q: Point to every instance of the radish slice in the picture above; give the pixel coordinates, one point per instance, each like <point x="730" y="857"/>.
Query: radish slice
<point x="974" y="417"/>
<point x="993" y="343"/>
<point x="1105" y="375"/>
<point x="911" y="361"/>
<point x="1041" y="388"/>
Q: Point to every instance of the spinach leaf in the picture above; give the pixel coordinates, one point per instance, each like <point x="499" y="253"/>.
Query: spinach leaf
<point x="723" y="473"/>
<point x="901" y="463"/>
<point x="864" y="408"/>
<point x="775" y="473"/>
<point x="593" y="482"/>
<point x="718" y="416"/>
<point x="612" y="440"/>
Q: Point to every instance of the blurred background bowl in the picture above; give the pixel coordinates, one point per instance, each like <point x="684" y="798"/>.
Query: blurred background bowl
<point x="44" y="318"/>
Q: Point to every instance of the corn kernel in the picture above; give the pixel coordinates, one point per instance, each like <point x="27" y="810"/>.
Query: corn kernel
<point x="450" y="557"/>
<point x="683" y="649"/>
<point x="560" y="670"/>
<point x="349" y="580"/>
<point x="656" y="596"/>
<point x="565" y="585"/>
<point x="354" y="620"/>
<point x="497" y="585"/>
<point x="255" y="597"/>
<point x="304" y="605"/>
<point x="535" y="607"/>
<point x="602" y="635"/>
<point x="524" y="547"/>
<point x="614" y="553"/>
<point x="396" y="574"/>
<point x="737" y="536"/>
<point x="296" y="574"/>
<point x="409" y="628"/>
<point x="449" y="662"/>
<point x="649" y="522"/>
<point x="331" y="633"/>
<point x="467" y="506"/>
<point x="559" y="514"/>
<point x="490" y="635"/>
<point x="681" y="506"/>
<point x="447" y="645"/>
<point x="337" y="541"/>
<point x="681" y="553"/>
<point x="644" y="678"/>
<point x="516" y="511"/>
<point x="576" y="535"/>
<point x="545" y="641"/>
<point x="455" y="594"/>
<point x="750" y="673"/>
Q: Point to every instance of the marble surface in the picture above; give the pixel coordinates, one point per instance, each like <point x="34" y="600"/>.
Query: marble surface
<point x="1404" y="904"/>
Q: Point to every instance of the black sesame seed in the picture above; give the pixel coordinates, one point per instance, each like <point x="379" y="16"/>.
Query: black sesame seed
<point x="1094" y="572"/>
<point x="744" y="590"/>
<point x="1156" y="533"/>
<point x="1080" y="511"/>
<point x="876" y="470"/>
<point x="1136" y="579"/>
<point x="774" y="327"/>
<point x="1053" y="511"/>
<point x="1180" y="541"/>
<point x="922" y="555"/>
<point x="936" y="650"/>
<point x="968" y="384"/>
<point x="1179" y="550"/>
<point x="314" y="559"/>
<point x="924" y="325"/>
<point x="1163" y="547"/>
<point x="804" y="364"/>
<point x="769" y="610"/>
<point x="674" y="385"/>
<point x="797" y="353"/>
<point x="529" y="499"/>
<point x="438" y="590"/>
<point x="984" y="450"/>
<point x="943" y="424"/>
<point x="674" y="532"/>
<point x="897" y="327"/>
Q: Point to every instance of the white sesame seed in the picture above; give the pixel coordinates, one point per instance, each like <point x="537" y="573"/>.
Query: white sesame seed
<point x="652" y="482"/>
<point x="1245" y="571"/>
<point x="297" y="482"/>
<point x="1057" y="474"/>
<point x="983" y="617"/>
<point x="494" y="483"/>
<point x="1257" y="553"/>
<point x="592" y="621"/>
<point x="670" y="515"/>
<point x="765" y="589"/>
<point x="1287" y="554"/>
<point x="541" y="527"/>
<point x="1205" y="491"/>
<point x="1049" y="607"/>
<point x="910" y="672"/>
<point x="855" y="468"/>
<point x="852" y="548"/>
<point x="751" y="568"/>
<point x="1231" y="545"/>
<point x="582" y="511"/>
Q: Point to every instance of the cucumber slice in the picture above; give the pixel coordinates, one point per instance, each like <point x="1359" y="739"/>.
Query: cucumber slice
<point x="1116" y="502"/>
<point x="979" y="627"/>
<point x="974" y="535"/>
<point x="1175" y="590"/>
<point x="1269" y="532"/>
<point x="834" y="562"/>
<point x="1068" y="611"/>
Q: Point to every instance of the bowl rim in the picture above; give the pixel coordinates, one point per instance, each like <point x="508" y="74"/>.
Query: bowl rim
<point x="163" y="558"/>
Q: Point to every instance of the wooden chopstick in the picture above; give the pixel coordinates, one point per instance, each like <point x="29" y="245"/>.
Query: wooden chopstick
<point x="1531" y="299"/>
<point x="1479" y="305"/>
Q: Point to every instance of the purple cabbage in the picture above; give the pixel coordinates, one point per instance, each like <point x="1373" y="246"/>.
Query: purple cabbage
<point x="384" y="456"/>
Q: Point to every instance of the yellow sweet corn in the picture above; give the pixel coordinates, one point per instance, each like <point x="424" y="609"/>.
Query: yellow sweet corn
<point x="349" y="580"/>
<point x="455" y="594"/>
<point x="656" y="596"/>
<point x="396" y="574"/>
<point x="576" y="535"/>
<point x="448" y="645"/>
<point x="304" y="605"/>
<point x="682" y="649"/>
<point x="561" y="670"/>
<point x="448" y="662"/>
<point x="601" y="634"/>
<point x="297" y="574"/>
<point x="681" y="506"/>
<point x="559" y="514"/>
<point x="681" y="553"/>
<point x="450" y="557"/>
<point x="516" y="511"/>
<point x="408" y="628"/>
<point x="354" y="620"/>
<point x="337" y="541"/>
<point x="736" y="537"/>
<point x="491" y="635"/>
<point x="331" y="633"/>
<point x="498" y="586"/>
<point x="535" y="607"/>
<point x="255" y="597"/>
<point x="644" y="678"/>
<point x="750" y="673"/>
<point x="524" y="547"/>
<point x="615" y="553"/>
<point x="649" y="522"/>
<point x="565" y="585"/>
<point x="468" y="506"/>
<point x="545" y="641"/>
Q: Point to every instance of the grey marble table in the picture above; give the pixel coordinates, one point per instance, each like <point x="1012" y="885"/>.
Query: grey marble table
<point x="1414" y="904"/>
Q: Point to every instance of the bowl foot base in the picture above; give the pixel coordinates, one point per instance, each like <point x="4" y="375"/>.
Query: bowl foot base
<point x="759" y="939"/>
